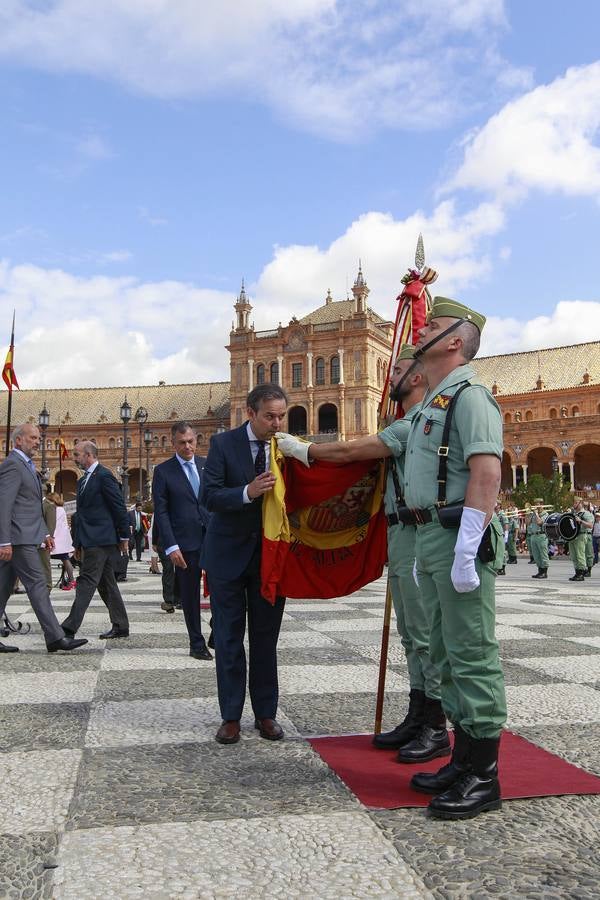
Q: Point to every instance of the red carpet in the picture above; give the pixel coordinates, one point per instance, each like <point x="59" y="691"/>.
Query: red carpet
<point x="379" y="781"/>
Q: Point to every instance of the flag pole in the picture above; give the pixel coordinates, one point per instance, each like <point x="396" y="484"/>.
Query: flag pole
<point x="60" y="461"/>
<point x="10" y="386"/>
<point x="405" y="331"/>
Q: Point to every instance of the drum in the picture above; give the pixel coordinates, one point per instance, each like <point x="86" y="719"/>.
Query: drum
<point x="561" y="527"/>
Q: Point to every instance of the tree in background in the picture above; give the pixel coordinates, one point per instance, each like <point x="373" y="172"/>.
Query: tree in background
<point x="554" y="491"/>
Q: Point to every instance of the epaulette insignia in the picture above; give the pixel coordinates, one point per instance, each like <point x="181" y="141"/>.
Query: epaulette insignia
<point x="441" y="401"/>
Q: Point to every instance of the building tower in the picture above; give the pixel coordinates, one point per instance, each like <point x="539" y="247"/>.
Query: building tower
<point x="243" y="308"/>
<point x="360" y="291"/>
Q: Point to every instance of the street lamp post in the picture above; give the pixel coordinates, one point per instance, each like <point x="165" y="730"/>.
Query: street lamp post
<point x="43" y="422"/>
<point x="141" y="417"/>
<point x="125" y="413"/>
<point x="148" y="443"/>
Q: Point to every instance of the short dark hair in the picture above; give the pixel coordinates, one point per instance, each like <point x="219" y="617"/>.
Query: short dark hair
<point x="181" y="427"/>
<point x="265" y="392"/>
<point x="470" y="336"/>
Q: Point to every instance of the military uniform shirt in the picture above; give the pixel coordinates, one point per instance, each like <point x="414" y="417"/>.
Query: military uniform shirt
<point x="476" y="429"/>
<point x="394" y="437"/>
<point x="532" y="525"/>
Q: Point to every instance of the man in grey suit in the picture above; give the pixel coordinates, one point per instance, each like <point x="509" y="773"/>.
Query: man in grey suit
<point x="22" y="531"/>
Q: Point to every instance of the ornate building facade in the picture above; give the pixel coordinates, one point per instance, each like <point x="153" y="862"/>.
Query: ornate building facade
<point x="332" y="363"/>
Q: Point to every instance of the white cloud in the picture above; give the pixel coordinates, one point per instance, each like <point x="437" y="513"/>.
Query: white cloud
<point x="94" y="147"/>
<point x="546" y="140"/>
<point x="116" y="256"/>
<point x="570" y="322"/>
<point x="322" y="64"/>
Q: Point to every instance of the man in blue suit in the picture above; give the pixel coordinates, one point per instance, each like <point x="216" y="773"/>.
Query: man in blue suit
<point x="236" y="477"/>
<point x="101" y="532"/>
<point x="181" y="520"/>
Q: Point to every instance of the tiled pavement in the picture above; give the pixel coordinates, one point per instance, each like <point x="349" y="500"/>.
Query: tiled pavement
<point x="114" y="787"/>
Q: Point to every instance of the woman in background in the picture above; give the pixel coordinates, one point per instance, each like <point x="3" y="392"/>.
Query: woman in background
<point x="63" y="548"/>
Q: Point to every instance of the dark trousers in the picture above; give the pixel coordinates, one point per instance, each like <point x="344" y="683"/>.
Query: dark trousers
<point x="96" y="571"/>
<point x="138" y="540"/>
<point x="188" y="581"/>
<point x="168" y="576"/>
<point x="231" y="601"/>
<point x="26" y="565"/>
<point x="596" y="546"/>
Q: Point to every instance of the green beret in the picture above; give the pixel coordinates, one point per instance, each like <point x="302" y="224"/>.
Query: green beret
<point x="443" y="306"/>
<point x="407" y="351"/>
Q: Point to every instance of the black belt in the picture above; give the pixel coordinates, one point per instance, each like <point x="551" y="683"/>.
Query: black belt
<point x="410" y="517"/>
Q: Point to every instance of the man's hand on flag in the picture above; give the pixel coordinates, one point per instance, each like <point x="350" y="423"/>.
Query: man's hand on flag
<point x="261" y="484"/>
<point x="292" y="446"/>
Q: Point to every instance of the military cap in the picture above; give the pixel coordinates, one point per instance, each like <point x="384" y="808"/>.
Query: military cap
<point x="444" y="306"/>
<point x="407" y="351"/>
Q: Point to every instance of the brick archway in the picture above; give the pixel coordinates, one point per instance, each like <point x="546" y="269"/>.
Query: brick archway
<point x="587" y="466"/>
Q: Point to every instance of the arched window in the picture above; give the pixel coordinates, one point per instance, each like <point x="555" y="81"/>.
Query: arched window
<point x="528" y="416"/>
<point x="553" y="413"/>
<point x="48" y="445"/>
<point x="155" y="440"/>
<point x="163" y="441"/>
<point x="111" y="443"/>
<point x="119" y="442"/>
<point x="328" y="419"/>
<point x="335" y="370"/>
<point x="507" y="419"/>
<point x="274" y="373"/>
<point x="56" y="444"/>
<point x="575" y="411"/>
<point x="260" y="374"/>
<point x="320" y="371"/>
<point x="378" y="373"/>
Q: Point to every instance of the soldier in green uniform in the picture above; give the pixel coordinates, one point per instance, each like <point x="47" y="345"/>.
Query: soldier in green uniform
<point x="577" y="547"/>
<point x="451" y="482"/>
<point x="589" y="544"/>
<point x="537" y="538"/>
<point x="513" y="530"/>
<point x="503" y="519"/>
<point x="423" y="734"/>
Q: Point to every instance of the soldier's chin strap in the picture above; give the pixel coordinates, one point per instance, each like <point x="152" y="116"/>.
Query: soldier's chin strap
<point x="421" y="350"/>
<point x="395" y="395"/>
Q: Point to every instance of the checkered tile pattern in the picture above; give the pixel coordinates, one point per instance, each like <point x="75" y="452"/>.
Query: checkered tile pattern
<point x="111" y="775"/>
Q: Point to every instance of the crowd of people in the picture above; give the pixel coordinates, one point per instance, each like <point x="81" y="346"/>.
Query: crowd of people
<point x="446" y="547"/>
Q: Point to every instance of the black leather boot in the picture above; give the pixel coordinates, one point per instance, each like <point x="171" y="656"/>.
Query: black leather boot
<point x="541" y="573"/>
<point x="512" y="560"/>
<point x="501" y="571"/>
<point x="588" y="572"/>
<point x="436" y="782"/>
<point x="432" y="739"/>
<point x="578" y="576"/>
<point x="477" y="790"/>
<point x="407" y="729"/>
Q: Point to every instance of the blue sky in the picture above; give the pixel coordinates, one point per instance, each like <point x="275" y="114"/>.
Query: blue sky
<point x="154" y="152"/>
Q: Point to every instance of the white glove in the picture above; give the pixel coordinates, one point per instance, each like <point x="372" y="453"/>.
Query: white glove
<point x="463" y="574"/>
<point x="506" y="537"/>
<point x="415" y="576"/>
<point x="292" y="446"/>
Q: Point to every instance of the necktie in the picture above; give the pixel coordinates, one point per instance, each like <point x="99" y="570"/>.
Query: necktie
<point x="260" y="463"/>
<point x="83" y="482"/>
<point x="192" y="473"/>
<point x="31" y="465"/>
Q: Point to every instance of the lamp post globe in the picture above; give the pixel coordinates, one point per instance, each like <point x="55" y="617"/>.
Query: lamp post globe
<point x="43" y="422"/>
<point x="125" y="414"/>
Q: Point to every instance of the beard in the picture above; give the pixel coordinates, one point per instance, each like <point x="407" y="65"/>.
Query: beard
<point x="398" y="393"/>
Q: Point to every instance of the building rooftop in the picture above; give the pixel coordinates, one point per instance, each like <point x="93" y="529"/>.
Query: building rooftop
<point x="554" y="368"/>
<point x="333" y="311"/>
<point x="101" y="405"/>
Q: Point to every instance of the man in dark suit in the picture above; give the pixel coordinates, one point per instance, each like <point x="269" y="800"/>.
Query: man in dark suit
<point x="139" y="527"/>
<point x="236" y="477"/>
<point x="181" y="520"/>
<point x="22" y="531"/>
<point x="101" y="531"/>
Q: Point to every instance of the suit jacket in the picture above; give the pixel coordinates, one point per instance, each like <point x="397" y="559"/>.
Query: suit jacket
<point x="21" y="519"/>
<point x="235" y="531"/>
<point x="143" y="522"/>
<point x="180" y="516"/>
<point x="101" y="518"/>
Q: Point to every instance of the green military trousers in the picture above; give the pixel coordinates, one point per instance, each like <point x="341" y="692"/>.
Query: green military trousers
<point x="577" y="551"/>
<point x="411" y="618"/>
<point x="589" y="550"/>
<point x="462" y="635"/>
<point x="539" y="550"/>
<point x="511" y="545"/>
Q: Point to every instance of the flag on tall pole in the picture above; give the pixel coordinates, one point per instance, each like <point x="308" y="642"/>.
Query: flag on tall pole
<point x="414" y="303"/>
<point x="10" y="380"/>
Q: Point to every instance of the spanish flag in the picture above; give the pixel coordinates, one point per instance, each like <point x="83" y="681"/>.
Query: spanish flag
<point x="324" y="529"/>
<point x="8" y="372"/>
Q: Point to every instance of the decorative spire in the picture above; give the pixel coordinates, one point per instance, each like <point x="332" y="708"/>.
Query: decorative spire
<point x="243" y="309"/>
<point x="360" y="281"/>
<point x="360" y="291"/>
<point x="328" y="298"/>
<point x="420" y="253"/>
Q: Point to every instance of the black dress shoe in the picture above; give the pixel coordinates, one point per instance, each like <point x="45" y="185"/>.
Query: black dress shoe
<point x="5" y="648"/>
<point x="204" y="653"/>
<point x="66" y="643"/>
<point x="114" y="633"/>
<point x="428" y="744"/>
<point x="68" y="632"/>
<point x="211" y="641"/>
